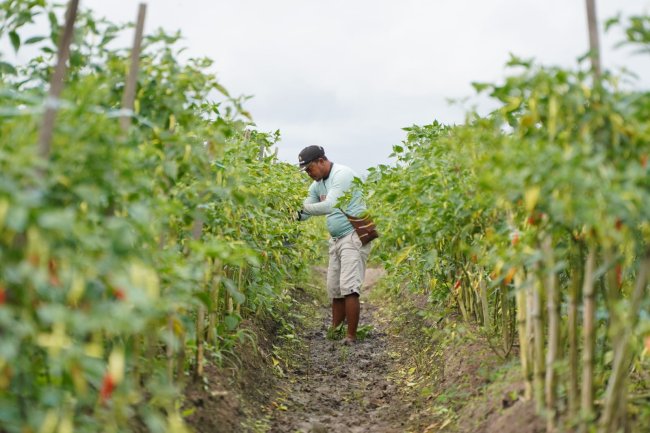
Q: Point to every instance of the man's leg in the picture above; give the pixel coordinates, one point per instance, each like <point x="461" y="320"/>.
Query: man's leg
<point x="339" y="311"/>
<point x="352" y="310"/>
<point x="353" y="266"/>
<point x="334" y="285"/>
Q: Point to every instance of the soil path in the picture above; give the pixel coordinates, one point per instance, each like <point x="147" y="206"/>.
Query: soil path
<point x="343" y="389"/>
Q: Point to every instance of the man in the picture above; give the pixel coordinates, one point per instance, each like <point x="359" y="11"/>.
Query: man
<point x="347" y="256"/>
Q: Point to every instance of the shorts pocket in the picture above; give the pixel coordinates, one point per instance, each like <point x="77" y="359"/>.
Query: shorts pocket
<point x="356" y="241"/>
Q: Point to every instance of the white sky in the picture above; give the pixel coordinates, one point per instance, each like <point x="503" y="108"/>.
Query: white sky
<point x="348" y="75"/>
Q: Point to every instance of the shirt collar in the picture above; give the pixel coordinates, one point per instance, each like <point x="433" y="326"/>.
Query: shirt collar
<point x="328" y="173"/>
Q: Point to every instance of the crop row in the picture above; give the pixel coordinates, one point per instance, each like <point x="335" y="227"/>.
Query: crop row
<point x="129" y="257"/>
<point x="533" y="222"/>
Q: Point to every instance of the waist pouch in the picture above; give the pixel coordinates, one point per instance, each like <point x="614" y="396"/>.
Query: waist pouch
<point x="364" y="226"/>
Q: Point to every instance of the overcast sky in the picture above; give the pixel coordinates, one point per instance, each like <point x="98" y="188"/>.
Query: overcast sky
<point x="349" y="74"/>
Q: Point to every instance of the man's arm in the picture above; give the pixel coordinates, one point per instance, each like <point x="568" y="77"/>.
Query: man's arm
<point x="312" y="197"/>
<point x="339" y="185"/>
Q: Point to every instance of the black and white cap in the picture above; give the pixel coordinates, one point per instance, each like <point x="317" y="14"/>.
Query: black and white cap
<point x="309" y="154"/>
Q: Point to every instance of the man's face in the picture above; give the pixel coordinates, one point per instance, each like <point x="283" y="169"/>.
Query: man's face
<point x="317" y="169"/>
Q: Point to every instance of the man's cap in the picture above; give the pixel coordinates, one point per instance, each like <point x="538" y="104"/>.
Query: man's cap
<point x="309" y="154"/>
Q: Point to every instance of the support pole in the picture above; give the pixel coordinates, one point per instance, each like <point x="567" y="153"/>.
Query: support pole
<point x="594" y="44"/>
<point x="56" y="82"/>
<point x="128" y="98"/>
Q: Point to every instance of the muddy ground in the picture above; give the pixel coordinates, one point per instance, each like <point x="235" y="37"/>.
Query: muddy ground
<point x="410" y="374"/>
<point x="344" y="388"/>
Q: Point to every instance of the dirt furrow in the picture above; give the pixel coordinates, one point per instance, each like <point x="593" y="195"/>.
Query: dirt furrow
<point x="343" y="388"/>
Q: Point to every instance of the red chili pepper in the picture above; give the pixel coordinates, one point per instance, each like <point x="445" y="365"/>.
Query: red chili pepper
<point x="618" y="224"/>
<point x="619" y="275"/>
<point x="3" y="295"/>
<point x="515" y="239"/>
<point x="54" y="276"/>
<point x="34" y="259"/>
<point x="457" y="285"/>
<point x="119" y="293"/>
<point x="108" y="386"/>
<point x="509" y="276"/>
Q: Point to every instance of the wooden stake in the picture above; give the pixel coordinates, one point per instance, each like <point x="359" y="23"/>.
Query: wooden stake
<point x="588" y="330"/>
<point x="572" y="390"/>
<point x="523" y="338"/>
<point x="200" y="339"/>
<point x="538" y="330"/>
<point x="530" y="327"/>
<point x="552" y="305"/>
<point x="170" y="348"/>
<point x="56" y="82"/>
<point x="594" y="44"/>
<point x="214" y="293"/>
<point x="180" y="361"/>
<point x="197" y="231"/>
<point x="128" y="98"/>
<point x="484" y="303"/>
<point x="505" y="318"/>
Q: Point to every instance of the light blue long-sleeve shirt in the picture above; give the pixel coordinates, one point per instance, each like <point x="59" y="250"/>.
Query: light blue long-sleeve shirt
<point x="323" y="196"/>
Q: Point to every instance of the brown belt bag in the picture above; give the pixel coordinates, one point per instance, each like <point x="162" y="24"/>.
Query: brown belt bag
<point x="365" y="228"/>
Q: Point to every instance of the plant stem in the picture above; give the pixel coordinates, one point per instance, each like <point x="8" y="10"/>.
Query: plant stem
<point x="615" y="391"/>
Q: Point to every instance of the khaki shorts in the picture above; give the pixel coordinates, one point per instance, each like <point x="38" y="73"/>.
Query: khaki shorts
<point x="347" y="265"/>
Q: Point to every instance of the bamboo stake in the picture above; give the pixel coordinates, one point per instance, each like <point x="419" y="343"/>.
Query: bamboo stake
<point x="128" y="98"/>
<point x="461" y="304"/>
<point x="137" y="348"/>
<point x="170" y="348"/>
<point x="215" y="290"/>
<point x="530" y="339"/>
<point x="200" y="340"/>
<point x="552" y="305"/>
<point x="200" y="315"/>
<point x="538" y="330"/>
<point x="240" y="287"/>
<point x="505" y="318"/>
<point x="587" y="405"/>
<point x="180" y="361"/>
<point x="572" y="391"/>
<point x="56" y="83"/>
<point x="622" y="412"/>
<point x="594" y="43"/>
<point x="484" y="303"/>
<point x="476" y="300"/>
<point x="523" y="338"/>
<point x="622" y="353"/>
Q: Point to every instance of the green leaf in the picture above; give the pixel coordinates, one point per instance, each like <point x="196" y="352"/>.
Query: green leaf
<point x="480" y="87"/>
<point x="238" y="296"/>
<point x="171" y="169"/>
<point x="54" y="23"/>
<point x="15" y="40"/>
<point x="34" y="40"/>
<point x="231" y="321"/>
<point x="7" y="68"/>
<point x="62" y="220"/>
<point x="17" y="218"/>
<point x="613" y="21"/>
